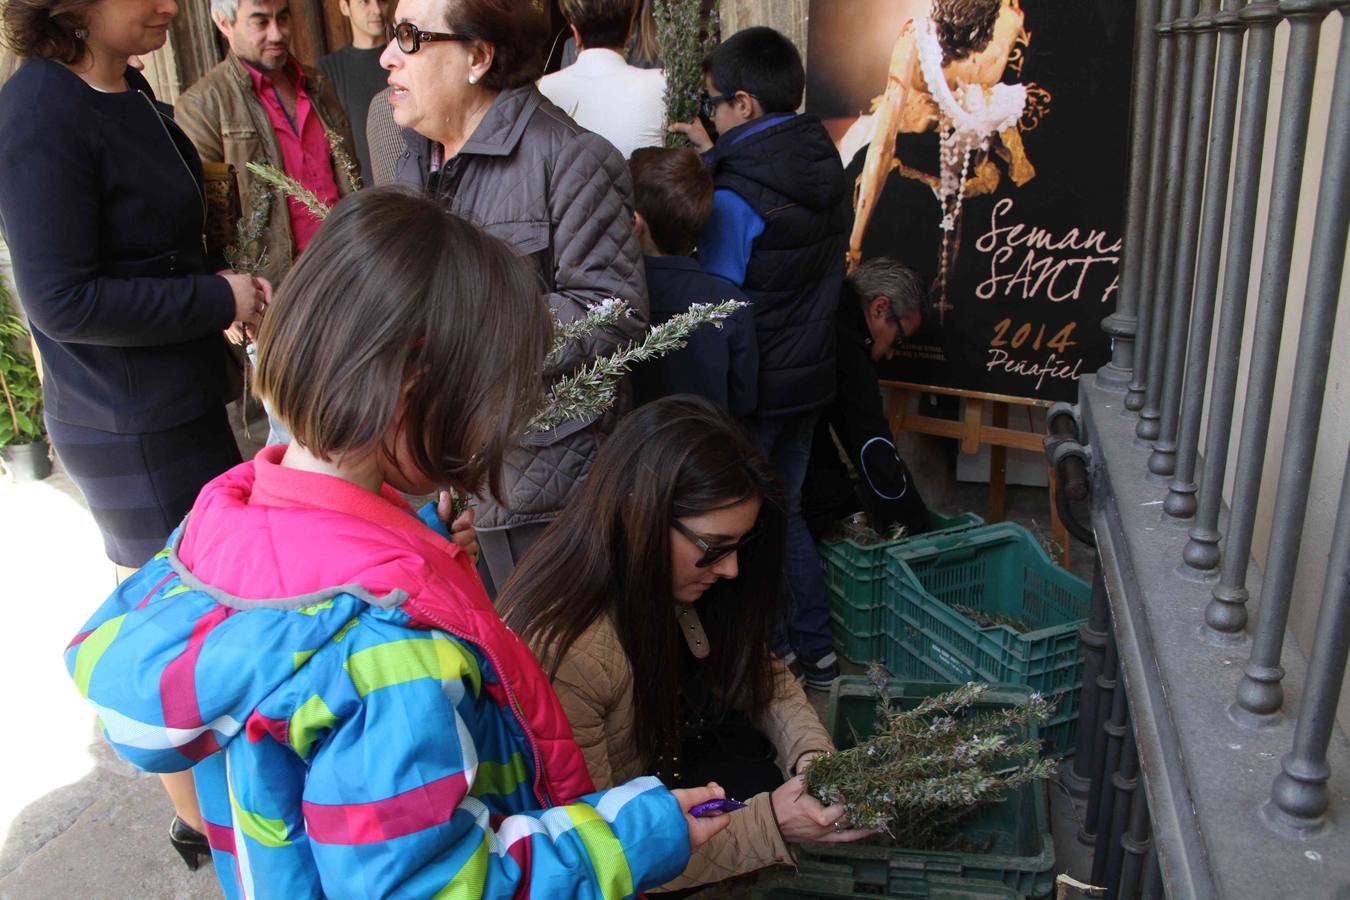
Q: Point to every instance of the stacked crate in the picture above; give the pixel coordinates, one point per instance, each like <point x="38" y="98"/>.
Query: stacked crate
<point x="999" y="573"/>
<point x="855" y="575"/>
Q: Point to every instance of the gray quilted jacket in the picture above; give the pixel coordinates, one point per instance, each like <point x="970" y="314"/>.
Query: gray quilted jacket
<point x="562" y="197"/>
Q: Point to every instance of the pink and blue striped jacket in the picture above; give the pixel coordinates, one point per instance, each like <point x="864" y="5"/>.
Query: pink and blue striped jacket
<point x="358" y="720"/>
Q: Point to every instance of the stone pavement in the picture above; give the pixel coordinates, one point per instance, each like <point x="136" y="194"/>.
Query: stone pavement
<point x="75" y="821"/>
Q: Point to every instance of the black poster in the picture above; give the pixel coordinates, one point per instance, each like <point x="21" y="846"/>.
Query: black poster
<point x="1004" y="187"/>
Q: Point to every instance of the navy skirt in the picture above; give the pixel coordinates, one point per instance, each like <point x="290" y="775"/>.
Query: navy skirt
<point x="139" y="486"/>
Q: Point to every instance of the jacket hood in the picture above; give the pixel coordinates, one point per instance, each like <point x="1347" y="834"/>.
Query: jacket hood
<point x="314" y="548"/>
<point x="794" y="158"/>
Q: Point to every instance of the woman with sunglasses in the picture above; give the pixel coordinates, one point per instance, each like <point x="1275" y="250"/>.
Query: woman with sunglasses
<point x="649" y="603"/>
<point x="480" y="137"/>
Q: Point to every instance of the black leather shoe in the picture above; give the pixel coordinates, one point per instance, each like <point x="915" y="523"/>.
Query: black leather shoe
<point x="189" y="842"/>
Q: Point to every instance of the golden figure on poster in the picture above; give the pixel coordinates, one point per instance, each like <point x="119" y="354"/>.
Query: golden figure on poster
<point x="946" y="75"/>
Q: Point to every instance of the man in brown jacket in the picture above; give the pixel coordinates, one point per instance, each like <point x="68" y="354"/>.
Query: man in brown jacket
<point x="261" y="105"/>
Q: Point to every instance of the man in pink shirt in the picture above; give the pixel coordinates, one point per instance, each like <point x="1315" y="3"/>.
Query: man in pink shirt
<point x="261" y="105"/>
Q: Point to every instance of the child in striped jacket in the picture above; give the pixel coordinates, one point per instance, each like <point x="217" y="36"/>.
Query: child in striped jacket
<point x="358" y="720"/>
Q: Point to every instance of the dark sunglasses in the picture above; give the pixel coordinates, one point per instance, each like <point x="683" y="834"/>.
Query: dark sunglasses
<point x="707" y="103"/>
<point x="410" y="38"/>
<point x="714" y="553"/>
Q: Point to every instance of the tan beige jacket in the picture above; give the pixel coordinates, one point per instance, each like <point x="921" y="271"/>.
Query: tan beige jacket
<point x="595" y="684"/>
<point x="228" y="124"/>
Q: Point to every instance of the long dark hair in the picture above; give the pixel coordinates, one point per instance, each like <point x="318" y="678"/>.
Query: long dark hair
<point x="609" y="554"/>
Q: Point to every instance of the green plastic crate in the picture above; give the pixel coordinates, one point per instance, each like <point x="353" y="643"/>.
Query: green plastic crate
<point x="999" y="570"/>
<point x="1021" y="854"/>
<point x="787" y="886"/>
<point x="856" y="575"/>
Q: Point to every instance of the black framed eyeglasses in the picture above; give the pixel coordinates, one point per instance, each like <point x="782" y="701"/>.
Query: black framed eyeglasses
<point x="410" y="38"/>
<point x="707" y="102"/>
<point x="900" y="336"/>
<point x="714" y="553"/>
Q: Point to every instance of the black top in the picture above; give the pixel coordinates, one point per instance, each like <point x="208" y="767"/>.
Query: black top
<point x="886" y="490"/>
<point x="357" y="77"/>
<point x="101" y="204"/>
<point x="791" y="176"/>
<point x="720" y="364"/>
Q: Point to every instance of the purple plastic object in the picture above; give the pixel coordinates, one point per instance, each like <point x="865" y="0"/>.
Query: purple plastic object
<point x="713" y="807"/>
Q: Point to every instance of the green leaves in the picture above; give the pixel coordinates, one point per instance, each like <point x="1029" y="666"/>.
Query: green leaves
<point x="342" y="160"/>
<point x="289" y="187"/>
<point x="683" y="39"/>
<point x="247" y="254"/>
<point x="21" y="414"/>
<point x="587" y="393"/>
<point x="927" y="768"/>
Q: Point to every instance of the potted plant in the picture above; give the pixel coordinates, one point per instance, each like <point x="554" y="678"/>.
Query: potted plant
<point x="23" y="440"/>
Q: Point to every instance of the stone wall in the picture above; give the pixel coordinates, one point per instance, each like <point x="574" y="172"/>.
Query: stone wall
<point x="787" y="16"/>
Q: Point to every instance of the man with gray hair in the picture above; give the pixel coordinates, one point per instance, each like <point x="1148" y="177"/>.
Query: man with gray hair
<point x="261" y="105"/>
<point x="882" y="305"/>
<point x="890" y="296"/>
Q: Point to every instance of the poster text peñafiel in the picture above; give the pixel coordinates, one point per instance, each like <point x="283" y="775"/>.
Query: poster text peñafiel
<point x="987" y="141"/>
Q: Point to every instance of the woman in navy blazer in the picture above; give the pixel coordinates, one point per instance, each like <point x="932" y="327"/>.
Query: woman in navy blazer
<point x="102" y="205"/>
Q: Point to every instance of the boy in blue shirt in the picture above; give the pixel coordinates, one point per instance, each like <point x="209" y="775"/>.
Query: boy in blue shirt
<point x="673" y="196"/>
<point x="779" y="228"/>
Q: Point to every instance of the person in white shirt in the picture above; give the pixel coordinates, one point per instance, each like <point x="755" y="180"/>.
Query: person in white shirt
<point x="623" y="104"/>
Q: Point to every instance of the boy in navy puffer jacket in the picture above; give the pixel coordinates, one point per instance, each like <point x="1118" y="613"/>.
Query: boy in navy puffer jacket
<point x="779" y="228"/>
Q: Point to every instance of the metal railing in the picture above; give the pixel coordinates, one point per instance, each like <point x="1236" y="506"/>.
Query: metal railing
<point x="1208" y="748"/>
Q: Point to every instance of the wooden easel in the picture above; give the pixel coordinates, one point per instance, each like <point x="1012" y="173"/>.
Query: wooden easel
<point x="971" y="431"/>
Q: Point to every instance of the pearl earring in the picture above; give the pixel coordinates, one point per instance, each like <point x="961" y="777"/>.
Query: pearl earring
<point x="473" y="79"/>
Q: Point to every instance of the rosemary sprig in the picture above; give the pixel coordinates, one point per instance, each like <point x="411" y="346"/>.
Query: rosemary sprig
<point x="608" y="313"/>
<point x="248" y="255"/>
<point x="241" y="255"/>
<point x="683" y="39"/>
<point x="345" y="164"/>
<point x="289" y="187"/>
<point x="925" y="769"/>
<point x="590" y="391"/>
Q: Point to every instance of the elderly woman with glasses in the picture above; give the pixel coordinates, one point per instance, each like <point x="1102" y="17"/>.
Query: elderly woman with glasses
<point x="479" y="136"/>
<point x="649" y="603"/>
